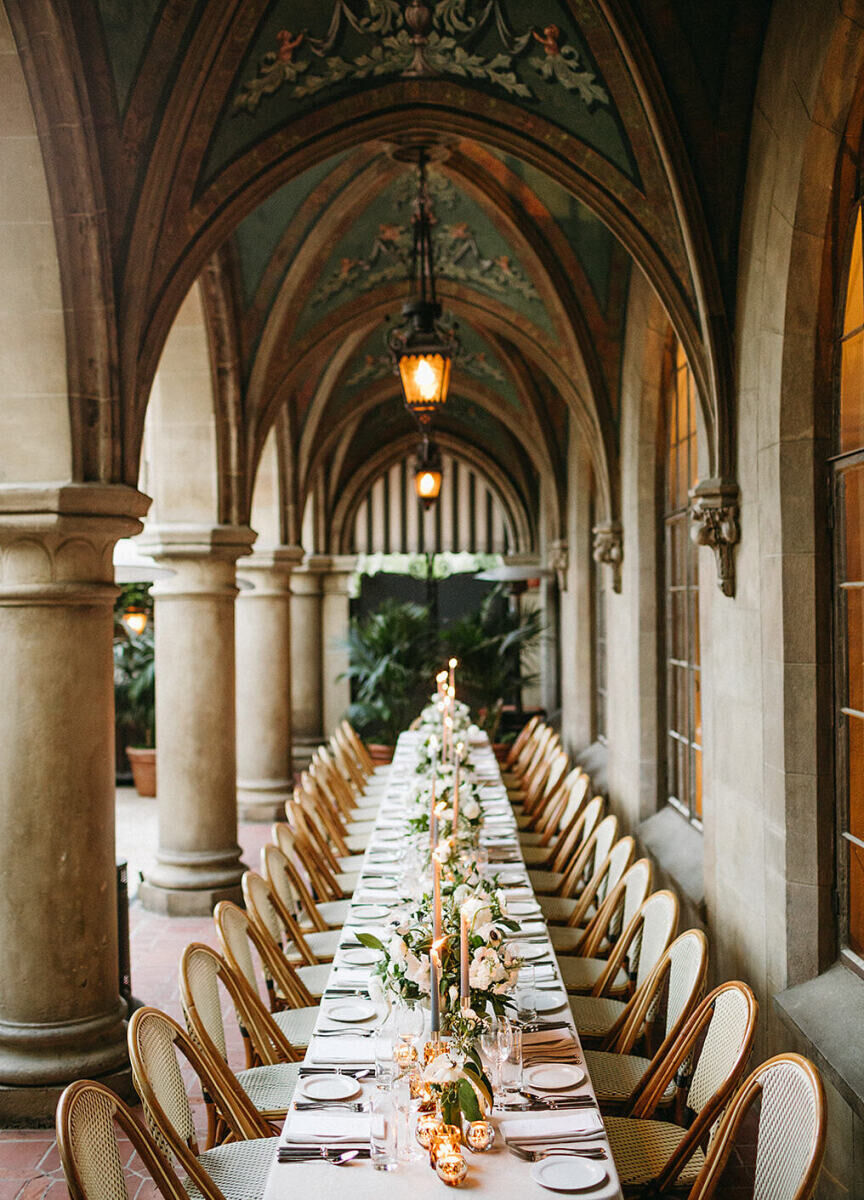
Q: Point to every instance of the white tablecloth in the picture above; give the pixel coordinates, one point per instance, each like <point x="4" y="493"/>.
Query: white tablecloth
<point x="496" y="1173"/>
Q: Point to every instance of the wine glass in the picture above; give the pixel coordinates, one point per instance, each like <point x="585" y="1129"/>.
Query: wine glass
<point x="496" y="1041"/>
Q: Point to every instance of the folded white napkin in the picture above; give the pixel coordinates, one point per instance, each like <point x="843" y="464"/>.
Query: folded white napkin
<point x="353" y="1051"/>
<point x="311" y="1128"/>
<point x="539" y="1129"/>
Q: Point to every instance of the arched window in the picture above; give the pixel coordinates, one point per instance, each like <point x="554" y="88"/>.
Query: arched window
<point x="849" y="604"/>
<point x="681" y="582"/>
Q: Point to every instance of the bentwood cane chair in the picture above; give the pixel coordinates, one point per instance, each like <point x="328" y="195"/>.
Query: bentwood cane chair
<point x="612" y="920"/>
<point x="606" y="875"/>
<point x="542" y="842"/>
<point x="559" y="893"/>
<point x="262" y="907"/>
<point x="790" y="1142"/>
<point x="706" y="1062"/>
<point x="319" y="914"/>
<point x="238" y="1168"/>
<point x="582" y="821"/>
<point x="203" y="974"/>
<point x="592" y="974"/>
<point x="299" y="947"/>
<point x="670" y="994"/>
<point x="88" y="1116"/>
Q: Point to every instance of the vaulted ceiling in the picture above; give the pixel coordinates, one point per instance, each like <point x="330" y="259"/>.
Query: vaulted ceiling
<point x="263" y="146"/>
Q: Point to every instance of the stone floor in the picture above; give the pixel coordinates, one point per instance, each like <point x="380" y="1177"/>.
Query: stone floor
<point x="29" y="1164"/>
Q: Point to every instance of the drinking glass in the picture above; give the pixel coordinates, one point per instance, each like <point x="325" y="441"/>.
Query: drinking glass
<point x="382" y="1131"/>
<point x="385" y="1065"/>
<point x="406" y="1111"/>
<point x="511" y="1064"/>
<point x="526" y="1001"/>
<point x="495" y="1042"/>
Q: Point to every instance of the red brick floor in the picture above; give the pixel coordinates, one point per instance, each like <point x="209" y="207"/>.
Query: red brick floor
<point x="29" y="1164"/>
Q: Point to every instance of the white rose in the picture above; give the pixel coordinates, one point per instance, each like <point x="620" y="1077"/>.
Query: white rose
<point x="376" y="991"/>
<point x="441" y="1070"/>
<point x="461" y="894"/>
<point x="476" y="912"/>
<point x="470" y="809"/>
<point x="501" y="897"/>
<point x="480" y="974"/>
<point x="417" y="970"/>
<point x="397" y="949"/>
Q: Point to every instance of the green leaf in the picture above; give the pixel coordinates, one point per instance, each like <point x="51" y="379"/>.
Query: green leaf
<point x="482" y="1080"/>
<point x="370" y="941"/>
<point x="468" y="1101"/>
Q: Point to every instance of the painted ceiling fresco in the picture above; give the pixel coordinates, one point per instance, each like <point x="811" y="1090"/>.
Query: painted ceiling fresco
<point x="305" y="51"/>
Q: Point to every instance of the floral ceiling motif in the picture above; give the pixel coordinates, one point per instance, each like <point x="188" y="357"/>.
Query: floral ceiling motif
<point x="417" y="40"/>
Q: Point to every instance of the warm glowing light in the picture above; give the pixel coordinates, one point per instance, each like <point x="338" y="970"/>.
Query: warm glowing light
<point x="135" y="619"/>
<point x="426" y="484"/>
<point x="426" y="380"/>
<point x="453" y="664"/>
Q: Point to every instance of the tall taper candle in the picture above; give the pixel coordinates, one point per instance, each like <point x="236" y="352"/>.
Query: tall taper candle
<point x="453" y="663"/>
<point x="464" y="991"/>
<point x="457" y="773"/>
<point x="433" y="818"/>
<point x="435" y="988"/>
<point x="436" y="898"/>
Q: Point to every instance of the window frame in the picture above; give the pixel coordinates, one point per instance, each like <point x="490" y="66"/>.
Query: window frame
<point x="599" y="658"/>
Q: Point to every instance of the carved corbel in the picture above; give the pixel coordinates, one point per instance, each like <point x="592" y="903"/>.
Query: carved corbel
<point x="609" y="549"/>
<point x="559" y="562"/>
<point x="714" y="513"/>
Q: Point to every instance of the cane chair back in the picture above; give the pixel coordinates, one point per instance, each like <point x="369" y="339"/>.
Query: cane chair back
<point x="524" y="735"/>
<point x="326" y="815"/>
<point x="157" y="1045"/>
<point x="266" y="908"/>
<point x="613" y="919"/>
<point x="679" y="973"/>
<point x="332" y="784"/>
<point x="283" y="837"/>
<point x="347" y="764"/>
<point x="588" y="858"/>
<point x="238" y="934"/>
<point x="581" y="821"/>
<point x="538" y="755"/>
<point x="88" y="1116"/>
<point x="359" y="746"/>
<point x="315" y="867"/>
<point x="790" y="1142"/>
<point x="535" y="785"/>
<point x="303" y="818"/>
<point x="725" y="1024"/>
<point x="540" y="808"/>
<point x="605" y="877"/>
<point x="283" y="898"/>
<point x="523" y="758"/>
<point x="549" y="821"/>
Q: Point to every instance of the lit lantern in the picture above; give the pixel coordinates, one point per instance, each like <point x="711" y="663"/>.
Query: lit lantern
<point x="135" y="619"/>
<point x="428" y="473"/>
<point x="421" y="347"/>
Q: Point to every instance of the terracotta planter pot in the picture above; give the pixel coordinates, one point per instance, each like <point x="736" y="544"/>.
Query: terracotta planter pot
<point x="143" y="764"/>
<point x="380" y="755"/>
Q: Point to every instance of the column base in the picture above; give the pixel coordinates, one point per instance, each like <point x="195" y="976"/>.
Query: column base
<point x="263" y="801"/>
<point x="34" y="1107"/>
<point x="302" y="750"/>
<point x="185" y="902"/>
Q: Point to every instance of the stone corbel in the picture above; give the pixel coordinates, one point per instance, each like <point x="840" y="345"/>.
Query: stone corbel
<point x="714" y="513"/>
<point x="559" y="561"/>
<point x="609" y="549"/>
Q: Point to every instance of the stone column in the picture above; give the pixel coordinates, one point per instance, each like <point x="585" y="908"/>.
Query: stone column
<point x="334" y="630"/>
<point x="61" y="1016"/>
<point x="198" y="861"/>
<point x="264" y="772"/>
<point x="306" y="686"/>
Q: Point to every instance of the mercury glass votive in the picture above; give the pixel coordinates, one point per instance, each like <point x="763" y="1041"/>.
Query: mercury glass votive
<point x="480" y="1135"/>
<point x="405" y="1056"/>
<point x="431" y="1051"/>
<point x="428" y="1124"/>
<point x="446" y="1140"/>
<point x="451" y="1169"/>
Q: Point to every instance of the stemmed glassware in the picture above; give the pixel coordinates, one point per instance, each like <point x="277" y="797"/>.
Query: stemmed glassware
<point x="496" y="1042"/>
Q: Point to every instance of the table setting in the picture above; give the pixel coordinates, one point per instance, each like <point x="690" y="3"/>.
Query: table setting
<point x="444" y="1053"/>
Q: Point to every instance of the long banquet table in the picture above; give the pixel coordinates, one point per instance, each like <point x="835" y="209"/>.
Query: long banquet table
<point x="496" y="1173"/>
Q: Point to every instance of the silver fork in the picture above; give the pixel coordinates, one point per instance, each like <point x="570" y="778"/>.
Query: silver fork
<point x="536" y="1155"/>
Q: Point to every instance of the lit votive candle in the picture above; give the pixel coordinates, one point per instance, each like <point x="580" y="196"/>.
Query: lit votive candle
<point x="405" y="1055"/>
<point x="480" y="1135"/>
<point x="451" y="1169"/>
<point x="445" y="1140"/>
<point x="428" y="1125"/>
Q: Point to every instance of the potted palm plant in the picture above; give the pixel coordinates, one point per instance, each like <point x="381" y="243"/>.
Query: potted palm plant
<point x="391" y="660"/>
<point x="490" y="644"/>
<point x="135" y="699"/>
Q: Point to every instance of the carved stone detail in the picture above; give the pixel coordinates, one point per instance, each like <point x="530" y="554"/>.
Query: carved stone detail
<point x="609" y="549"/>
<point x="714" y="513"/>
<point x="559" y="561"/>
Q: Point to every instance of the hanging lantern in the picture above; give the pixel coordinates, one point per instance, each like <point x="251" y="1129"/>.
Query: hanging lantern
<point x="422" y="348"/>
<point x="428" y="473"/>
<point x="135" y="619"/>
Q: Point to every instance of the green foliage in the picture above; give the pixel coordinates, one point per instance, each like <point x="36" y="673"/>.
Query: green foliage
<point x="135" y="686"/>
<point x="392" y="655"/>
<point x="490" y="644"/>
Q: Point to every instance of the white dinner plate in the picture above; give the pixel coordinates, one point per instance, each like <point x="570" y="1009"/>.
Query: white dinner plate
<point x="567" y="1173"/>
<point x="547" y="1002"/>
<point x="330" y="1087"/>
<point x="379" y="885"/>
<point x="369" y="912"/>
<point x="352" y="1012"/>
<point x="522" y="908"/>
<point x="389" y="835"/>
<point x="530" y="952"/>
<point x="362" y="957"/>
<point x="553" y="1077"/>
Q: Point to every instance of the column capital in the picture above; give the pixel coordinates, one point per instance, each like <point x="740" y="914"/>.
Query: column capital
<point x="269" y="569"/>
<point x="340" y="569"/>
<point x="223" y="543"/>
<point x="57" y="541"/>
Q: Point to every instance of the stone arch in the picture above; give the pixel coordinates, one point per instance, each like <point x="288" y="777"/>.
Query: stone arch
<point x="35" y="415"/>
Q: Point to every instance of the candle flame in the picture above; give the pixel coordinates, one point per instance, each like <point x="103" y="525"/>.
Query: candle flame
<point x="453" y="663"/>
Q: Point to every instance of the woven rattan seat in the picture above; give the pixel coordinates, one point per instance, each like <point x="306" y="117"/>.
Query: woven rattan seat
<point x="580" y="975"/>
<point x="641" y="1149"/>
<point x="565" y="938"/>
<point x="595" y="1015"/>
<point x="557" y="908"/>
<point x="297" y="1024"/>
<point x="238" y="1170"/>
<point x="315" y="978"/>
<point x="270" y="1088"/>
<point x="615" y="1077"/>
<point x="334" y="912"/>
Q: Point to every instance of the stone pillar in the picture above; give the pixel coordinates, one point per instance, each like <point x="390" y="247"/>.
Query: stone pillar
<point x="198" y="861"/>
<point x="334" y="631"/>
<point x="306" y="685"/>
<point x="264" y="772"/>
<point x="61" y="1016"/>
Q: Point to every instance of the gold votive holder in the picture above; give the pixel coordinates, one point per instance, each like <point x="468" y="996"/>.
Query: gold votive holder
<point x="432" y="1049"/>
<point x="428" y="1123"/>
<point x="420" y="1089"/>
<point x="446" y="1140"/>
<point x="405" y="1056"/>
<point x="451" y="1169"/>
<point x="480" y="1135"/>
